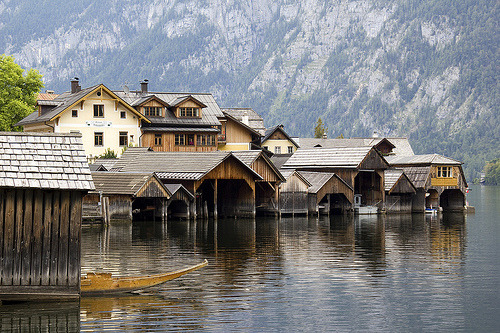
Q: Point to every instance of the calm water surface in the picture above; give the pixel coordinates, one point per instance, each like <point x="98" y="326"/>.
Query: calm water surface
<point x="389" y="273"/>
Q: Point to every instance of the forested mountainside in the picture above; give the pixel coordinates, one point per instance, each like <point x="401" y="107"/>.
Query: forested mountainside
<point x="426" y="69"/>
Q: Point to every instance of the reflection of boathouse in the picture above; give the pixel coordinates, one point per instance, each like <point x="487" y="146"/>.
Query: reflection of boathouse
<point x="439" y="180"/>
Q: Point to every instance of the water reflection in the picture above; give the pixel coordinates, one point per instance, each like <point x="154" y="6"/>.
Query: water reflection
<point x="280" y="274"/>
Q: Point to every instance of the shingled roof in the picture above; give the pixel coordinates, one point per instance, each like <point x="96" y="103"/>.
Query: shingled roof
<point x="174" y="165"/>
<point x="402" y="146"/>
<point x="319" y="179"/>
<point x="327" y="157"/>
<point x="421" y="160"/>
<point x="124" y="182"/>
<point x="44" y="161"/>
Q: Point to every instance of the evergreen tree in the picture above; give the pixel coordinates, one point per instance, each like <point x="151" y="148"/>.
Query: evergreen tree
<point x="18" y="93"/>
<point x="320" y="129"/>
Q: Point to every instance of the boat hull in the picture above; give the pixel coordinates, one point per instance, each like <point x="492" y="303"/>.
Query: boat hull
<point x="103" y="283"/>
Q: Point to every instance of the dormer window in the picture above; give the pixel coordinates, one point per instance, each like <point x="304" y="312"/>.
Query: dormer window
<point x="189" y="112"/>
<point x="153" y="111"/>
<point x="444" y="172"/>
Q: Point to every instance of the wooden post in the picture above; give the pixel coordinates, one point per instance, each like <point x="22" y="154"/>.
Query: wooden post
<point x="215" y="198"/>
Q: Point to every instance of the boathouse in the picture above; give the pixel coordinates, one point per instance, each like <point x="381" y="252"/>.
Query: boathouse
<point x="43" y="178"/>
<point x="222" y="184"/>
<point x="293" y="193"/>
<point x="361" y="168"/>
<point x="328" y="193"/>
<point x="130" y="196"/>
<point x="399" y="191"/>
<point x="267" y="188"/>
<point x="439" y="180"/>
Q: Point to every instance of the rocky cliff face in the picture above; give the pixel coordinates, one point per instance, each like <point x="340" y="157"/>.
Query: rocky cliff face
<point x="402" y="67"/>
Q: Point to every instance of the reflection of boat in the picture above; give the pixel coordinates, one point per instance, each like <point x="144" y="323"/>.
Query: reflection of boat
<point x="104" y="283"/>
<point x="432" y="211"/>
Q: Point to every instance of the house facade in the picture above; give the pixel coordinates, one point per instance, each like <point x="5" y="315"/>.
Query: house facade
<point x="104" y="120"/>
<point x="277" y="141"/>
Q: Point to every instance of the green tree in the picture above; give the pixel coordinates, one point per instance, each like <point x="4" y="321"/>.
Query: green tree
<point x="18" y="92"/>
<point x="320" y="129"/>
<point x="492" y="172"/>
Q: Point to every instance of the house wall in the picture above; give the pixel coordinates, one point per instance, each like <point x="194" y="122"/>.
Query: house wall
<point x="293" y="196"/>
<point x="111" y="125"/>
<point x="271" y="145"/>
<point x="398" y="203"/>
<point x="120" y="207"/>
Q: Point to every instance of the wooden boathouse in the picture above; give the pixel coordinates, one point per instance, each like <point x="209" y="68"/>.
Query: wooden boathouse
<point x="399" y="191"/>
<point x="327" y="193"/>
<point x="129" y="195"/>
<point x="266" y="189"/>
<point x="361" y="168"/>
<point x="439" y="180"/>
<point x="222" y="184"/>
<point x="293" y="193"/>
<point x="43" y="178"/>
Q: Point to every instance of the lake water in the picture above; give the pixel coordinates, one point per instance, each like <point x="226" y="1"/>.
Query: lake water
<point x="389" y="273"/>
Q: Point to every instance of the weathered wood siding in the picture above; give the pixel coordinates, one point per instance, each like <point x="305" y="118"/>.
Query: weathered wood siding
<point x="40" y="243"/>
<point x="293" y="196"/>
<point x="235" y="133"/>
<point x="152" y="189"/>
<point x="264" y="170"/>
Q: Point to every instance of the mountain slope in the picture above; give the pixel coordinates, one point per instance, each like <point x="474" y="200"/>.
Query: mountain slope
<point x="424" y="69"/>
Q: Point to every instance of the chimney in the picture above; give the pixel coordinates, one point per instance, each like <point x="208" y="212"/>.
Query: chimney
<point x="144" y="86"/>
<point x="245" y="119"/>
<point x="50" y="92"/>
<point x="325" y="136"/>
<point x="375" y="134"/>
<point x="75" y="86"/>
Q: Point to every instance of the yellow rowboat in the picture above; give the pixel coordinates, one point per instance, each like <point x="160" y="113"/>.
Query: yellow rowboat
<point x="104" y="283"/>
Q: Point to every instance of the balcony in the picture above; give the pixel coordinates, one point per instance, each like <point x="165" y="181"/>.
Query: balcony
<point x="221" y="138"/>
<point x="444" y="181"/>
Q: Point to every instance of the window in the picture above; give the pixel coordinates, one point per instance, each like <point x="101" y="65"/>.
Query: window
<point x="180" y="140"/>
<point x="74" y="113"/>
<point x="190" y="139"/>
<point x="123" y="138"/>
<point x="189" y="112"/>
<point x="98" y="111"/>
<point x="157" y="139"/>
<point x="98" y="139"/>
<point x="201" y="140"/>
<point x="123" y="115"/>
<point x="444" y="172"/>
<point x="152" y="111"/>
<point x="290" y="149"/>
<point x="277" y="150"/>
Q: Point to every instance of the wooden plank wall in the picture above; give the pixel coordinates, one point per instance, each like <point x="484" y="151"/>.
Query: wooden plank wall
<point x="40" y="239"/>
<point x="168" y="143"/>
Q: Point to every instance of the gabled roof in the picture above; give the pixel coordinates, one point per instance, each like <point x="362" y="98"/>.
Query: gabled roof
<point x="319" y="179"/>
<point x="209" y="116"/>
<point x="328" y="157"/>
<point x="175" y="165"/>
<point x="287" y="173"/>
<point x="67" y="101"/>
<point x="174" y="188"/>
<point x="181" y="99"/>
<point x="44" y="161"/>
<point x="125" y="182"/>
<point x="392" y="177"/>
<point x="147" y="98"/>
<point x="280" y="128"/>
<point x="255" y="121"/>
<point x="429" y="159"/>
<point x="248" y="128"/>
<point x="250" y="156"/>
<point x="418" y="175"/>
<point x="46" y="96"/>
<point x="280" y="159"/>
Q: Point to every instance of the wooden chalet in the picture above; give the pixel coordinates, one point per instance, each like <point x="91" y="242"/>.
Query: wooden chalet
<point x="129" y="196"/>
<point x="236" y="135"/>
<point x="361" y="168"/>
<point x="439" y="180"/>
<point x="43" y="178"/>
<point x="266" y="189"/>
<point x="177" y="122"/>
<point x="399" y="191"/>
<point x="222" y="184"/>
<point x="327" y="193"/>
<point x="293" y="193"/>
